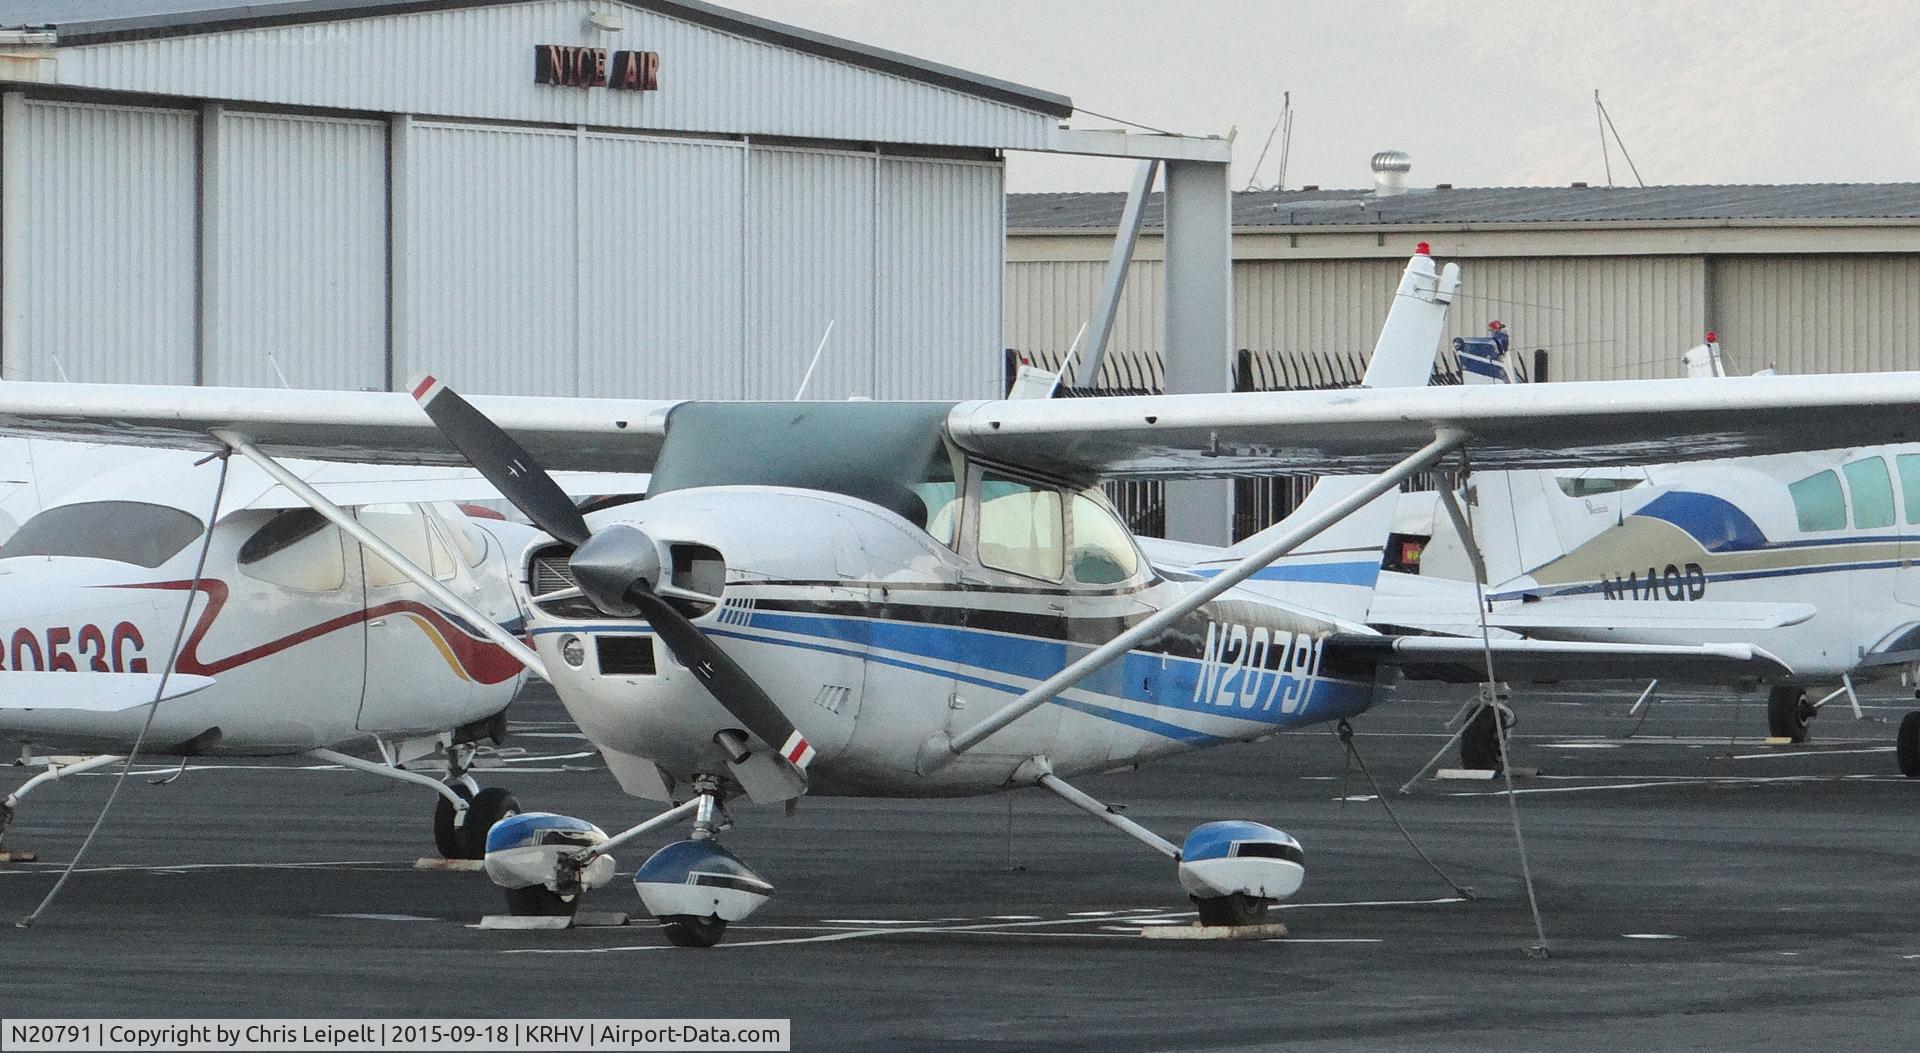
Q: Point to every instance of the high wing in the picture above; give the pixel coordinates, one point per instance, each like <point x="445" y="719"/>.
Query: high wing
<point x="1182" y="436"/>
<point x="362" y="484"/>
<point x="91" y="692"/>
<point x="1462" y="660"/>
<point x="372" y="427"/>
<point x="1508" y="426"/>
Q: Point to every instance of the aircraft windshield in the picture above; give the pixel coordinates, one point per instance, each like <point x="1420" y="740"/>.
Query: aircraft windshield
<point x="123" y="531"/>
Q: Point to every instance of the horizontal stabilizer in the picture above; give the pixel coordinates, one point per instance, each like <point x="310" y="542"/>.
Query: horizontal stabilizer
<point x="1431" y="609"/>
<point x="91" y="692"/>
<point x="1462" y="659"/>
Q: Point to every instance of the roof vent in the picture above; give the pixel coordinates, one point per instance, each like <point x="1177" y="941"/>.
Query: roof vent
<point x="1390" y="168"/>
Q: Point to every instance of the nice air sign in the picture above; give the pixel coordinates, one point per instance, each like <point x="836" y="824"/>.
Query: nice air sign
<point x="583" y="67"/>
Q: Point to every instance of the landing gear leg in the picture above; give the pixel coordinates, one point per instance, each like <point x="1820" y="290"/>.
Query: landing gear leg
<point x="1233" y="871"/>
<point x="1789" y="713"/>
<point x="465" y="811"/>
<point x="11" y="806"/>
<point x="1480" y="742"/>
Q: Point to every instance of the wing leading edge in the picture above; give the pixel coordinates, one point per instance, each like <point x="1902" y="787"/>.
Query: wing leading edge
<point x="1357" y="431"/>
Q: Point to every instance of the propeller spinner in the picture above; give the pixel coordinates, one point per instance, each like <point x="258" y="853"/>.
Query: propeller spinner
<point x="618" y="569"/>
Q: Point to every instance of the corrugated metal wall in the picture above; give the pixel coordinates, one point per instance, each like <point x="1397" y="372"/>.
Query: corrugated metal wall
<point x="1818" y="314"/>
<point x="939" y="270"/>
<point x="810" y="263"/>
<point x="494" y="259"/>
<point x="478" y="62"/>
<point x="1047" y="303"/>
<point x="106" y="204"/>
<point x="1599" y="317"/>
<point x="661" y="283"/>
<point x="300" y="259"/>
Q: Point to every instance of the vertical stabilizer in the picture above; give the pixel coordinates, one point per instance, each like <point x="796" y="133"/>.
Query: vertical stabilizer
<point x="1336" y="571"/>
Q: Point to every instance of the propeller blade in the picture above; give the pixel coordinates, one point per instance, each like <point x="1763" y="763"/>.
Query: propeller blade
<point x="505" y="463"/>
<point x="723" y="677"/>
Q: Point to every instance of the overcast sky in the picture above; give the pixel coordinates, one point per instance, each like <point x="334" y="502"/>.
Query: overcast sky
<point x="1480" y="92"/>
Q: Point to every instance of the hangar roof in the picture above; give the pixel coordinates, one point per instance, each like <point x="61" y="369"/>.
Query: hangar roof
<point x="1555" y="205"/>
<point x="81" y="22"/>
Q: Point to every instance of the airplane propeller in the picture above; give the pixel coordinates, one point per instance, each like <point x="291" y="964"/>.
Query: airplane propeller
<point x="618" y="568"/>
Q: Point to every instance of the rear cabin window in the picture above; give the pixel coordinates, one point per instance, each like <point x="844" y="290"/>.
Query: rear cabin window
<point x="1872" y="493"/>
<point x="1818" y="502"/>
<point x="299" y="549"/>
<point x="123" y="531"/>
<point x="1103" y="552"/>
<point x="1909" y="466"/>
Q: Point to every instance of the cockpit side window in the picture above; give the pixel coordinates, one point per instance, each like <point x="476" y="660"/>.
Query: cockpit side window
<point x="1818" y="502"/>
<point x="1872" y="493"/>
<point x="1020" y="527"/>
<point x="1909" y="465"/>
<point x="299" y="549"/>
<point x="123" y="531"/>
<point x="1103" y="552"/>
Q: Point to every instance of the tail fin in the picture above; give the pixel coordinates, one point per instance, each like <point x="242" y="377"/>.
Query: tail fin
<point x="1338" y="568"/>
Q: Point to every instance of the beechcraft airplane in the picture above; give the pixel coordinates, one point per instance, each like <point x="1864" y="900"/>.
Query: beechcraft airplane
<point x="297" y="639"/>
<point x="933" y="599"/>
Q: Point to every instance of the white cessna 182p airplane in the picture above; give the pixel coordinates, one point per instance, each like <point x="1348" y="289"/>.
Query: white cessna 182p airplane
<point x="297" y="640"/>
<point x="932" y="599"/>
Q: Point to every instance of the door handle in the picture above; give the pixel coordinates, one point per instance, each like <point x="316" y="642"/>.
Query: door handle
<point x="376" y="623"/>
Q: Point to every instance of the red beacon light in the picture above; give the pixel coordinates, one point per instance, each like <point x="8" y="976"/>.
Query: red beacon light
<point x="1712" y="337"/>
<point x="1423" y="249"/>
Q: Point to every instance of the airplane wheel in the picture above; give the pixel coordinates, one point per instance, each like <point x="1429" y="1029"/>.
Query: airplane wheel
<point x="1788" y="713"/>
<point x="539" y="901"/>
<point x="1906" y="746"/>
<point x="1480" y="743"/>
<point x="446" y="834"/>
<point x="1237" y="909"/>
<point x="687" y="930"/>
<point x="489" y="806"/>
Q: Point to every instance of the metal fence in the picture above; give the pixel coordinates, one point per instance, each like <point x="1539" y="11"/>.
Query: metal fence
<point x="1258" y="502"/>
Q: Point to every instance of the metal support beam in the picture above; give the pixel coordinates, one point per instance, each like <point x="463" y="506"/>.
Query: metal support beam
<point x="940" y="751"/>
<point x="1110" y="817"/>
<point x="1199" y="328"/>
<point x="212" y="286"/>
<point x="355" y="529"/>
<point x="1087" y="374"/>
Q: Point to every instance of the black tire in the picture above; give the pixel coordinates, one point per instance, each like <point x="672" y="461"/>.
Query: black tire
<point x="1480" y="743"/>
<point x="446" y="832"/>
<point x="1237" y="909"/>
<point x="539" y="901"/>
<point x="489" y="806"/>
<point x="687" y="930"/>
<point x="1906" y="746"/>
<point x="1788" y="713"/>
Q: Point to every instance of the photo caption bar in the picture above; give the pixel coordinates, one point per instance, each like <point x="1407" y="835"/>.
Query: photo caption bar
<point x="381" y="1035"/>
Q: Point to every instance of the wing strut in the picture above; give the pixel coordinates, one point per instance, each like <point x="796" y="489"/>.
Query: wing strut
<point x="338" y="516"/>
<point x="939" y="751"/>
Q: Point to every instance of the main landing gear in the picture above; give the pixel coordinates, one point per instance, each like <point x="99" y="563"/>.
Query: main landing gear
<point x="465" y="810"/>
<point x="696" y="888"/>
<point x="1232" y="870"/>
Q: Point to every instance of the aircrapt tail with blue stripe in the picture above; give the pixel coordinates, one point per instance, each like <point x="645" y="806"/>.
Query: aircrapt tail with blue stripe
<point x="1335" y="573"/>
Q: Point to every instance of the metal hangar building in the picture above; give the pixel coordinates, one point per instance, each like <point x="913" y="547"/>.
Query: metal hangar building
<point x="647" y="198"/>
<point x="1611" y="282"/>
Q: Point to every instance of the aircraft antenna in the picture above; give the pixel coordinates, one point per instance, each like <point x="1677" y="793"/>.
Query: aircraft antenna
<point x="275" y="364"/>
<point x="159" y="692"/>
<point x="1283" y="120"/>
<point x="59" y="369"/>
<point x="816" y="360"/>
<point x="1606" y="127"/>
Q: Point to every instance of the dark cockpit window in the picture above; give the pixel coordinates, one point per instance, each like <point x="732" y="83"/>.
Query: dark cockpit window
<point x="123" y="531"/>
